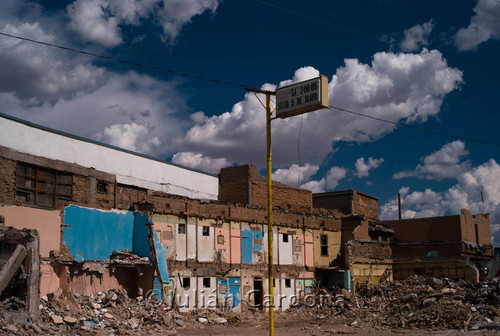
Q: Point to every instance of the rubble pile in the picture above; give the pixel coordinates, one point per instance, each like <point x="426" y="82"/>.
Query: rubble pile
<point x="435" y="303"/>
<point x="111" y="313"/>
<point x="415" y="303"/>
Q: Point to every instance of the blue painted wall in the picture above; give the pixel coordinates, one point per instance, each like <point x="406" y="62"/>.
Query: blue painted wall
<point x="140" y="240"/>
<point x="246" y="245"/>
<point x="91" y="234"/>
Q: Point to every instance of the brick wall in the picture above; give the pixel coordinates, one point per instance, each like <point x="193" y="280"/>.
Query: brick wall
<point x="469" y="223"/>
<point x="7" y="180"/>
<point x="349" y="202"/>
<point x="284" y="197"/>
<point x="364" y="205"/>
<point x="446" y="229"/>
<point x="370" y="250"/>
<point x="244" y="185"/>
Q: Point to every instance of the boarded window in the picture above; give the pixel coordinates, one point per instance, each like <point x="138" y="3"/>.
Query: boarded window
<point x="324" y="245"/>
<point x="181" y="228"/>
<point x="206" y="231"/>
<point x="220" y="239"/>
<point x="44" y="187"/>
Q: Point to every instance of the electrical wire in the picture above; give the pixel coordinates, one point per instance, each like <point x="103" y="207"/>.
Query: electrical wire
<point x="335" y="25"/>
<point x="173" y="72"/>
<point x="488" y="11"/>
<point x="201" y="78"/>
<point x="421" y="129"/>
<point x="319" y="20"/>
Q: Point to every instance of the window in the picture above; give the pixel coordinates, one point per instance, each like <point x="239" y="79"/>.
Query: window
<point x="324" y="245"/>
<point x="288" y="283"/>
<point x="44" y="187"/>
<point x="186" y="282"/>
<point x="285" y="238"/>
<point x="206" y="282"/>
<point x="181" y="228"/>
<point x="206" y="231"/>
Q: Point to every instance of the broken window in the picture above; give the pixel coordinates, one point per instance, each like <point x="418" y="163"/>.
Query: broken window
<point x="288" y="283"/>
<point x="186" y="282"/>
<point x="181" y="228"/>
<point x="220" y="239"/>
<point x="206" y="282"/>
<point x="206" y="231"/>
<point x="285" y="238"/>
<point x="324" y="245"/>
<point x="44" y="187"/>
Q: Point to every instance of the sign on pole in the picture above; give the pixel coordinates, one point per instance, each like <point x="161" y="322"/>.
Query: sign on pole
<point x="302" y="97"/>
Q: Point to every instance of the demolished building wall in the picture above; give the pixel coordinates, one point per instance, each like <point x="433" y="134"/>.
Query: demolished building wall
<point x="19" y="272"/>
<point x="454" y="246"/>
<point x="244" y="185"/>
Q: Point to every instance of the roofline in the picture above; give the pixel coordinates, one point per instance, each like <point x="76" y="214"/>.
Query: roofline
<point x="79" y="138"/>
<point x="341" y="192"/>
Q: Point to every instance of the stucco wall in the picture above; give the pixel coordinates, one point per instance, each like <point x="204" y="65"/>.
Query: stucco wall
<point x="46" y="222"/>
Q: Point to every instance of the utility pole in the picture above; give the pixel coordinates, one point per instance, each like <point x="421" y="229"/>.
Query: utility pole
<point x="291" y="100"/>
<point x="270" y="269"/>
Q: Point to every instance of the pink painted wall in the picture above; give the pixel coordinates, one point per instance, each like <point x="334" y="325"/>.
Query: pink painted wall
<point x="50" y="278"/>
<point x="235" y="246"/>
<point x="46" y="222"/>
<point x="90" y="283"/>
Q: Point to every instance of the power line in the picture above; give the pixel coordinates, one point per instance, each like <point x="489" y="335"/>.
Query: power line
<point x="320" y="20"/>
<point x="335" y="25"/>
<point x="416" y="127"/>
<point x="233" y="84"/>
<point x="488" y="11"/>
<point x="173" y="72"/>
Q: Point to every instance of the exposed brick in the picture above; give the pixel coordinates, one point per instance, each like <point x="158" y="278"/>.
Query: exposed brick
<point x="8" y="180"/>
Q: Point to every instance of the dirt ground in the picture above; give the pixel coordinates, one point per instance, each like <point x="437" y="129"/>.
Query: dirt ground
<point x="302" y="326"/>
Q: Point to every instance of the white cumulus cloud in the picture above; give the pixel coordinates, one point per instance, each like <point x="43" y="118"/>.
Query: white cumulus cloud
<point x="99" y="21"/>
<point x="130" y="136"/>
<point x="447" y="162"/>
<point x="331" y="181"/>
<point x="39" y="75"/>
<point x="363" y="168"/>
<point x="201" y="162"/>
<point x="483" y="26"/>
<point x="131" y="110"/>
<point x="416" y="37"/>
<point x="295" y="174"/>
<point x="398" y="87"/>
<point x="466" y="193"/>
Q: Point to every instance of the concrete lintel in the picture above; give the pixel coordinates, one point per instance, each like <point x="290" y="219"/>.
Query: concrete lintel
<point x="11" y="266"/>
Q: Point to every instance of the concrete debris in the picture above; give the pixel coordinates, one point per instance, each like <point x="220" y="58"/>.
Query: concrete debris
<point x="126" y="256"/>
<point x="415" y="303"/>
<point x="418" y="303"/>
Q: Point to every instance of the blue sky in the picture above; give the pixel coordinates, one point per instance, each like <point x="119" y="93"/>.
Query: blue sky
<point x="432" y="65"/>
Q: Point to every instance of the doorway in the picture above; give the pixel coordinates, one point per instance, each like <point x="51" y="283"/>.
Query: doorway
<point x="258" y="293"/>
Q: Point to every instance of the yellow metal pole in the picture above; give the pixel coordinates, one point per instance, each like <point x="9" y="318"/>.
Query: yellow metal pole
<point x="269" y="215"/>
